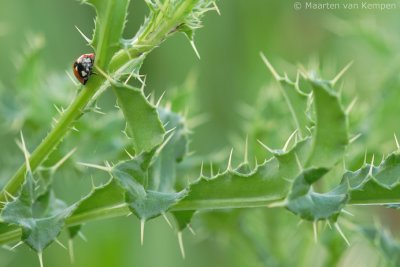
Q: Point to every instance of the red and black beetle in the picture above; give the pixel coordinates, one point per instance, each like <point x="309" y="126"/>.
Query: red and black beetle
<point x="83" y="67"/>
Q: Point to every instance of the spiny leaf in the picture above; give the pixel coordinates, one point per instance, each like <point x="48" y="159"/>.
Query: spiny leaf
<point x="143" y="124"/>
<point x="132" y="176"/>
<point x="312" y="206"/>
<point x="100" y="200"/>
<point x="244" y="187"/>
<point x="110" y="22"/>
<point x="297" y="103"/>
<point x="233" y="189"/>
<point x="375" y="185"/>
<point x="330" y="136"/>
<point x="163" y="170"/>
<point x="295" y="98"/>
<point x="368" y="185"/>
<point x="41" y="218"/>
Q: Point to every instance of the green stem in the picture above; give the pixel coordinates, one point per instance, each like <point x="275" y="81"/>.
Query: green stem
<point x="146" y="42"/>
<point x="122" y="210"/>
<point x="56" y="135"/>
<point x="155" y="32"/>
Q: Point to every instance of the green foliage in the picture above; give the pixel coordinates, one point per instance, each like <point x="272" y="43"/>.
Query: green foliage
<point x="143" y="124"/>
<point x="330" y="137"/>
<point x="160" y="176"/>
<point x="41" y="217"/>
<point x="110" y="22"/>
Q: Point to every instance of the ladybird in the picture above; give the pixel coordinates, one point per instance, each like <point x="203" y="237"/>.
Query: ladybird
<point x="83" y="67"/>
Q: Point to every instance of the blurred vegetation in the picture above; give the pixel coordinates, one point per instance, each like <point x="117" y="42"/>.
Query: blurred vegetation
<point x="228" y="95"/>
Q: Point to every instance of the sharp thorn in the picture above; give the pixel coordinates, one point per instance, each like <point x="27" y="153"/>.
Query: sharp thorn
<point x="341" y="233"/>
<point x="142" y="221"/>
<point x="191" y="229"/>
<point x="230" y="160"/>
<point x="93" y="184"/>
<point x="195" y="49"/>
<point x="351" y="106"/>
<point x="83" y="35"/>
<point x="216" y="8"/>
<point x="64" y="159"/>
<point x="16" y="245"/>
<point x="143" y="84"/>
<point x="347" y="212"/>
<point x="40" y="255"/>
<point x="246" y="150"/>
<point x="201" y="169"/>
<point x="166" y="219"/>
<point x="81" y="235"/>
<point x="355" y="138"/>
<point x="129" y="77"/>
<point x="71" y="250"/>
<point x="289" y="139"/>
<point x="372" y="165"/>
<point x="270" y="67"/>
<point x="95" y="166"/>
<point x="60" y="244"/>
<point x="148" y="96"/>
<point x="166" y="141"/>
<point x="341" y="73"/>
<point x="129" y="155"/>
<point x="159" y="100"/>
<point x="397" y="142"/>
<point x="270" y="150"/>
<point x="180" y="240"/>
<point x="58" y="110"/>
<point x="315" y="230"/>
<point x="26" y="153"/>
<point x="211" y="169"/>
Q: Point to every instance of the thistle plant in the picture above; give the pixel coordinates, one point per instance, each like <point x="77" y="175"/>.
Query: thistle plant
<point x="148" y="182"/>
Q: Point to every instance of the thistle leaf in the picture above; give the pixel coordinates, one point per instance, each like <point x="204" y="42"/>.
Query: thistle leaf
<point x="143" y="124"/>
<point x="312" y="206"/>
<point x="375" y="185"/>
<point x="330" y="136"/>
<point x="297" y="103"/>
<point x="41" y="218"/>
<point x="132" y="176"/>
<point x="163" y="171"/>
<point x="100" y="200"/>
<point x="243" y="187"/>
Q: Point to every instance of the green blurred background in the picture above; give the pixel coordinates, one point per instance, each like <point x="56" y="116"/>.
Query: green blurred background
<point x="231" y="92"/>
